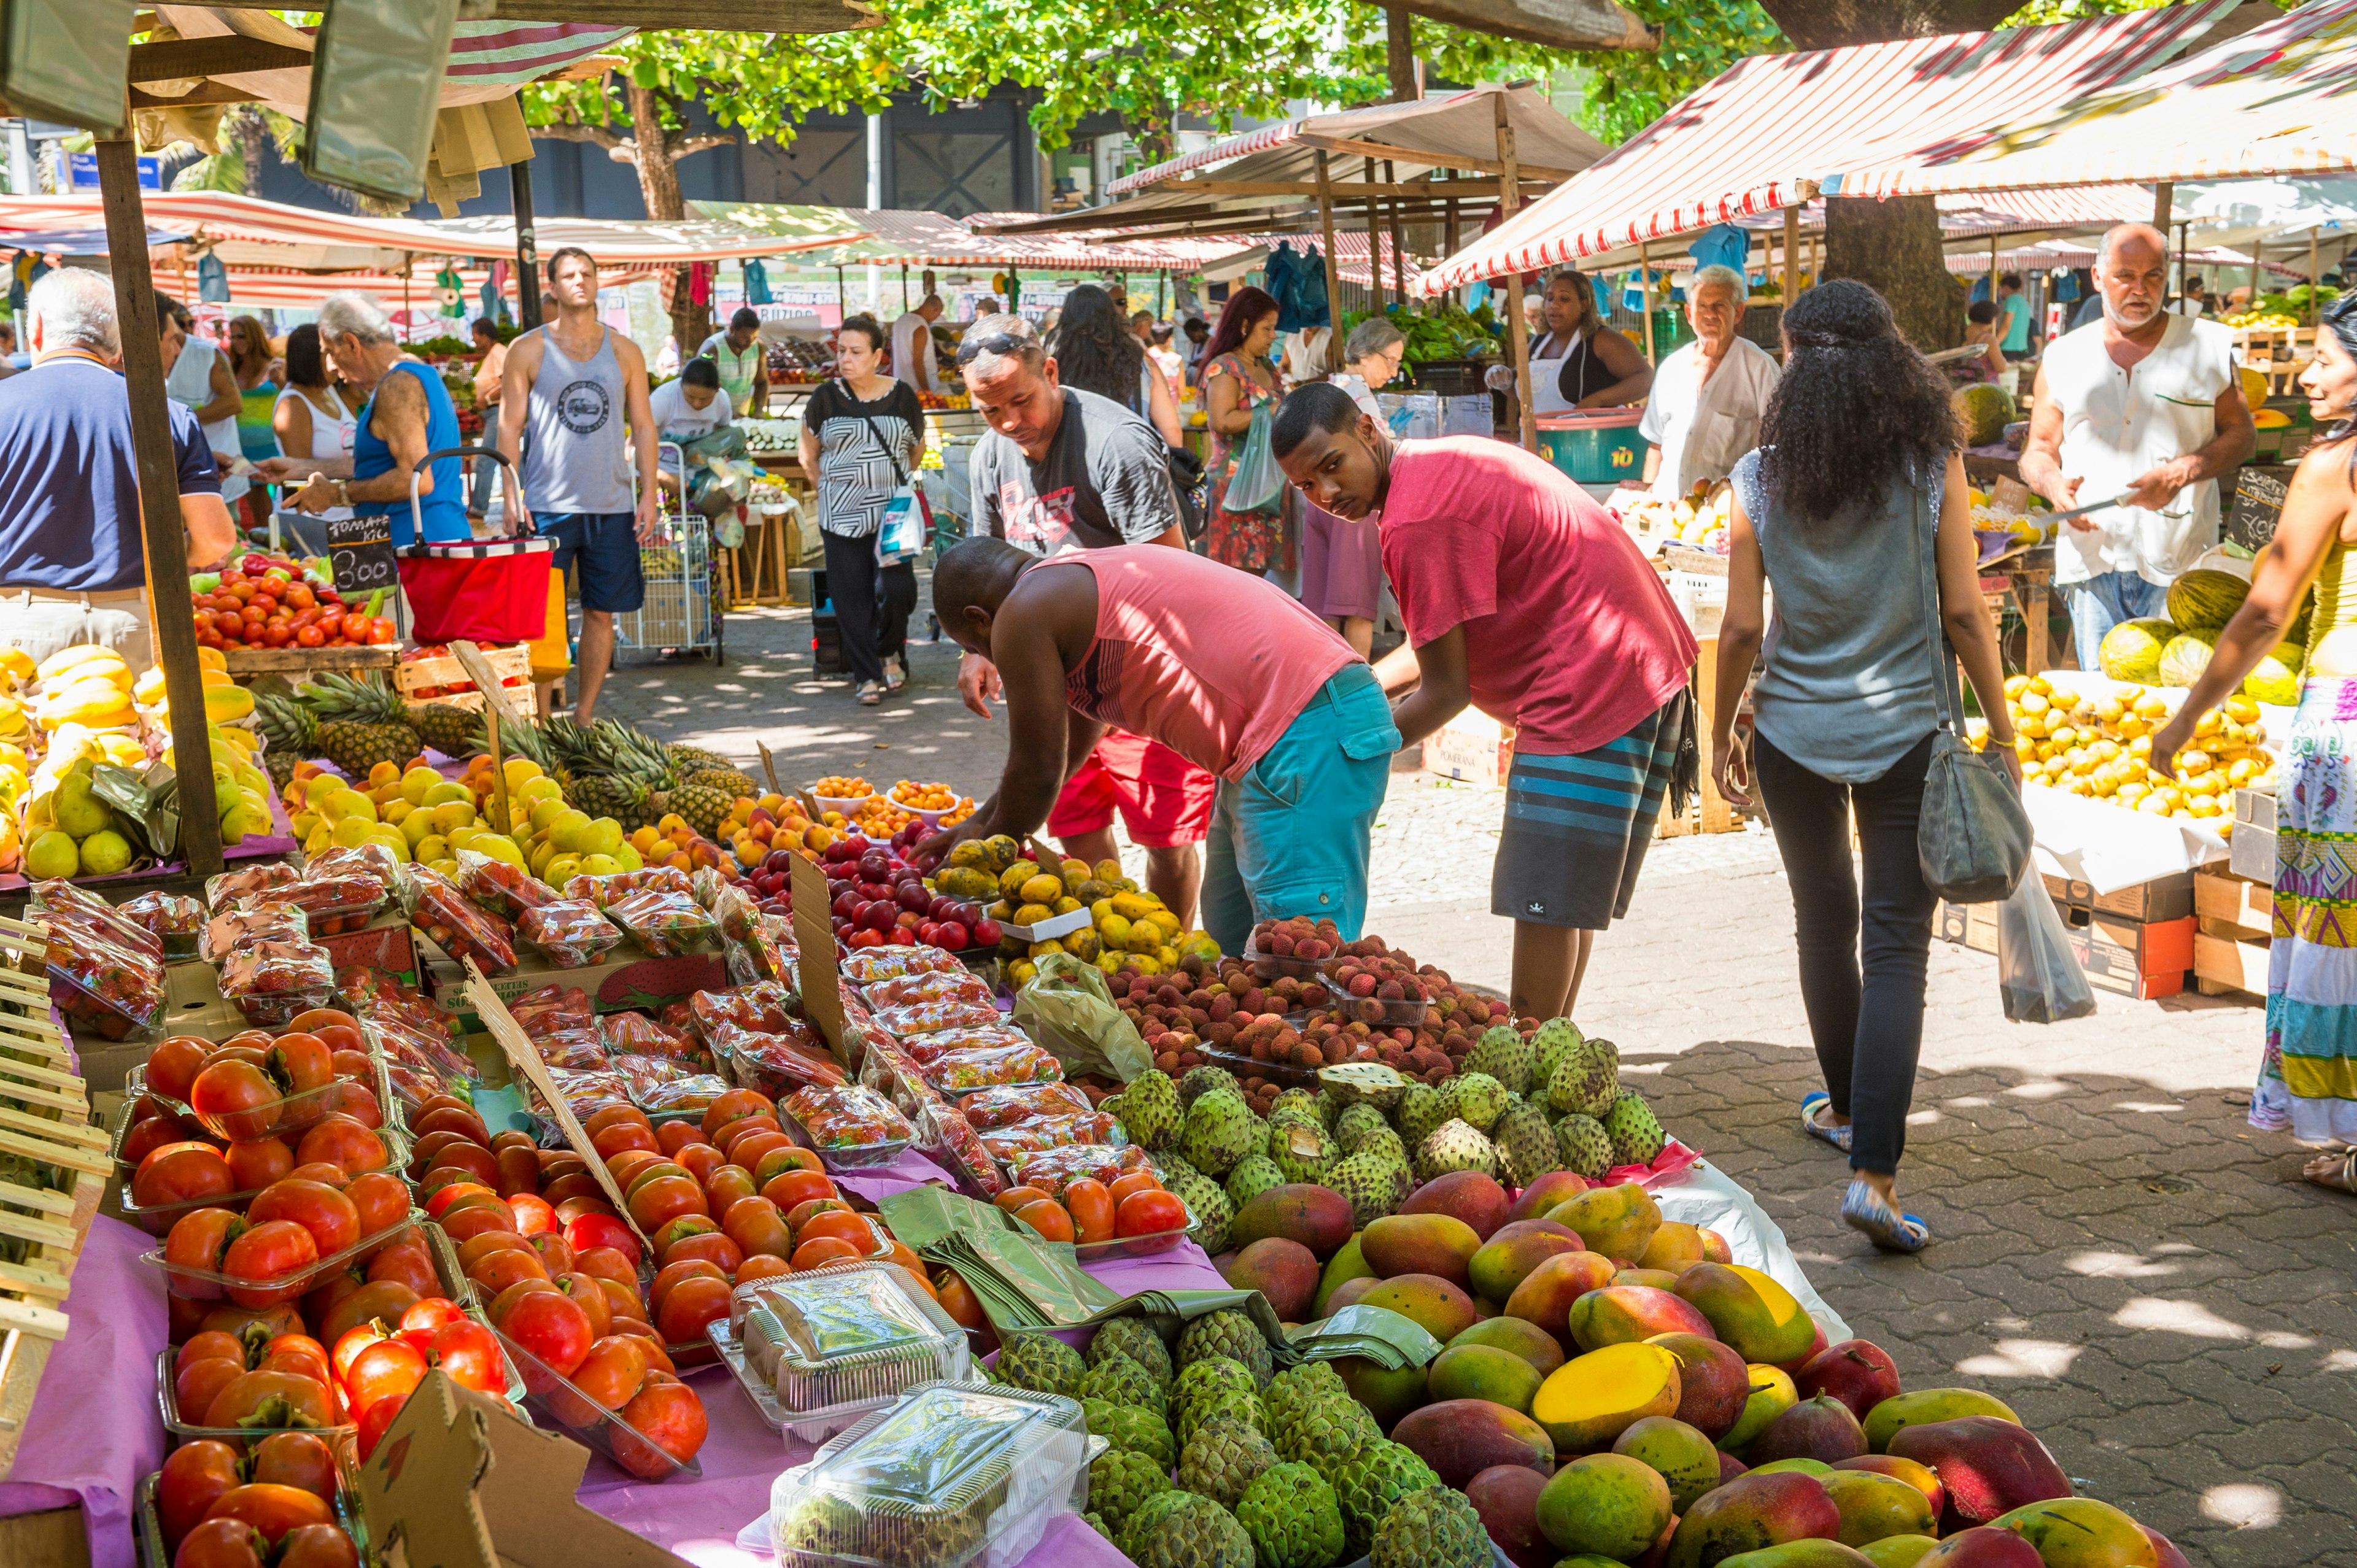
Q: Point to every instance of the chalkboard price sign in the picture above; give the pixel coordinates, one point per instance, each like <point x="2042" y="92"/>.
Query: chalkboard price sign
<point x="360" y="552"/>
<point x="2259" y="492"/>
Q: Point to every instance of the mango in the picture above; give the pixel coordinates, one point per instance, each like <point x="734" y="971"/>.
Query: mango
<point x="1821" y="1428"/>
<point x="1749" y="1310"/>
<point x="1652" y="1279"/>
<point x="1546" y="1192"/>
<point x="1507" y="1498"/>
<point x="1618" y="1221"/>
<point x="2165" y="1549"/>
<point x="1284" y="1272"/>
<point x="1896" y="1550"/>
<point x="1715" y="1249"/>
<point x="1679" y="1454"/>
<point x="1791" y="1467"/>
<point x="1462" y="1437"/>
<point x="1858" y="1372"/>
<point x="1541" y="1227"/>
<point x="1607" y="1505"/>
<point x="1920" y="1476"/>
<point x="1547" y="1293"/>
<point x="1591" y="1399"/>
<point x="1436" y="1306"/>
<point x="1390" y="1392"/>
<point x="1748" y="1513"/>
<point x="1318" y="1217"/>
<point x="1771" y="1395"/>
<point x="1982" y="1547"/>
<point x="1884" y="1420"/>
<point x="1346" y="1264"/>
<point x="1816" y="1347"/>
<point x="1673" y="1246"/>
<point x="1421" y="1244"/>
<point x="1622" y="1315"/>
<point x="1713" y="1382"/>
<point x="1347" y="1294"/>
<point x="1501" y="1264"/>
<point x="1528" y="1340"/>
<point x="1483" y="1373"/>
<point x="1473" y="1196"/>
<point x="1873" y="1507"/>
<point x="1989" y="1466"/>
<point x="1801" y="1555"/>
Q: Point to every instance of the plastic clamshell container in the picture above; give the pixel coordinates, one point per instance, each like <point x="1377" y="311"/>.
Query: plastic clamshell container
<point x="556" y="1402"/>
<point x="851" y="1156"/>
<point x="204" y="1285"/>
<point x="294" y="1113"/>
<point x="827" y="1345"/>
<point x="1284" y="1075"/>
<point x="159" y="1219"/>
<point x="188" y="1428"/>
<point x="148" y="1519"/>
<point x="948" y="1476"/>
<point x="1271" y="966"/>
<point x="460" y="1289"/>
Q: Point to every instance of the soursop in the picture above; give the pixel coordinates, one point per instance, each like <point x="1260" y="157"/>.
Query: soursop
<point x="1222" y="1458"/>
<point x="1042" y="1363"/>
<point x="1203" y="1081"/>
<point x="1327" y="1109"/>
<point x="1585" y="1082"/>
<point x="1503" y="1055"/>
<point x="1384" y="1145"/>
<point x="1231" y="1334"/>
<point x="1635" y="1130"/>
<point x="1150" y="1112"/>
<point x="1373" y="1185"/>
<point x="1421" y="1109"/>
<point x="1355" y="1122"/>
<point x="1220" y="1129"/>
<point x="1526" y="1144"/>
<point x="1370" y="1483"/>
<point x="1254" y="1174"/>
<point x="1135" y="1338"/>
<point x="1302" y="1100"/>
<point x="1120" y="1480"/>
<point x="1117" y="1379"/>
<point x="1293" y="1517"/>
<point x="1556" y="1040"/>
<point x="1480" y="1100"/>
<point x="1198" y="1533"/>
<point x="1435" y="1528"/>
<point x="1454" y="1146"/>
<point x="1585" y="1145"/>
<point x="1127" y="1426"/>
<point x="1300" y="1150"/>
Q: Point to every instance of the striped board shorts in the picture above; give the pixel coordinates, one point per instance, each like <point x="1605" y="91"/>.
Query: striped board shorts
<point x="1577" y="825"/>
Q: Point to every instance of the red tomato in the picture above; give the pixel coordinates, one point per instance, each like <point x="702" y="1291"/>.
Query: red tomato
<point x="534" y="1216"/>
<point x="442" y="1188"/>
<point x="301" y="1061"/>
<point x="271" y="1262"/>
<point x="343" y="1141"/>
<point x="669" y="1416"/>
<point x="173" y="1066"/>
<point x="220" y="1543"/>
<point x="274" y="1509"/>
<point x="596" y="1230"/>
<point x="552" y="1328"/>
<point x="504" y="1303"/>
<point x="350" y="1343"/>
<point x="386" y="1367"/>
<point x="431" y="1314"/>
<point x="470" y="1354"/>
<point x="237" y="1097"/>
<point x="297" y="1459"/>
<point x="330" y="1218"/>
<point x="200" y="1242"/>
<point x="256" y="1165"/>
<point x="316" y="1545"/>
<point x="181" y="1173"/>
<point x="372" y="1425"/>
<point x="271" y="1399"/>
<point x="154" y="1133"/>
<point x="1150" y="1214"/>
<point x="691" y="1304"/>
<point x="380" y="1198"/>
<point x="1092" y="1207"/>
<point x="195" y="1476"/>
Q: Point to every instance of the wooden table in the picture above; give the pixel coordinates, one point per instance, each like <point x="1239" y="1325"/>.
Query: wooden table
<point x="772" y="558"/>
<point x="2024" y="579"/>
<point x="297" y="661"/>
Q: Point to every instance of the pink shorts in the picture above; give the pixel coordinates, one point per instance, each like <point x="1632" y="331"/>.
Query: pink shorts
<point x="1164" y="799"/>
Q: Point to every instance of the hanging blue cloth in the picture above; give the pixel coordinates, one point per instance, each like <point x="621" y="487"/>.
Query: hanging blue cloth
<point x="1278" y="274"/>
<point x="757" y="282"/>
<point x="1309" y="290"/>
<point x="1722" y="245"/>
<point x="212" y="280"/>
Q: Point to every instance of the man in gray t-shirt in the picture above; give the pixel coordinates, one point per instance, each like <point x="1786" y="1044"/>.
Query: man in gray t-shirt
<point x="1090" y="476"/>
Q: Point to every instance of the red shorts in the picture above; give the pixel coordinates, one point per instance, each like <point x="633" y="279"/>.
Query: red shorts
<point x="1164" y="799"/>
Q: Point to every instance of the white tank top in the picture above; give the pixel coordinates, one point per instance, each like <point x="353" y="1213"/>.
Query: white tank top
<point x="331" y="434"/>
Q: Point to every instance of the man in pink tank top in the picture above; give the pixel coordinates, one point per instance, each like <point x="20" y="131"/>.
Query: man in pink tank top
<point x="1225" y="670"/>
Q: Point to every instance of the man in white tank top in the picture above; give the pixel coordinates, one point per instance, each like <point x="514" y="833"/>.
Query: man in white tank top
<point x="2143" y="404"/>
<point x="575" y="385"/>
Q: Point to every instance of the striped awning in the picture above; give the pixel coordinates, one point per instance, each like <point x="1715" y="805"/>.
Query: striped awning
<point x="2280" y="98"/>
<point x="2048" y="254"/>
<point x="1772" y="129"/>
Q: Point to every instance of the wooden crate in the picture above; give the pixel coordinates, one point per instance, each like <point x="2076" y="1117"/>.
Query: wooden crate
<point x="2226" y="966"/>
<point x="1709" y="811"/>
<point x="511" y="662"/>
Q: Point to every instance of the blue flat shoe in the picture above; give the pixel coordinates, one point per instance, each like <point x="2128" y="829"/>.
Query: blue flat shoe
<point x="1823" y="1131"/>
<point x="1863" y="1209"/>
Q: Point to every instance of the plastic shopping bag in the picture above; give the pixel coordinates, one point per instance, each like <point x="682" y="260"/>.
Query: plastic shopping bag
<point x="1258" y="484"/>
<point x="2039" y="977"/>
<point x="1068" y="1008"/>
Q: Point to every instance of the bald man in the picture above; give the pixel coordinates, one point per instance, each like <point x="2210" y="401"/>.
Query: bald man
<point x="2145" y="406"/>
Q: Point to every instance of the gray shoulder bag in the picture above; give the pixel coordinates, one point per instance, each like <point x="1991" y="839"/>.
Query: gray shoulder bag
<point x="1973" y="836"/>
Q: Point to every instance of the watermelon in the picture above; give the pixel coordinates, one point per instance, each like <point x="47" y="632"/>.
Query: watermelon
<point x="2277" y="680"/>
<point x="2204" y="600"/>
<point x="2187" y="655"/>
<point x="2131" y="650"/>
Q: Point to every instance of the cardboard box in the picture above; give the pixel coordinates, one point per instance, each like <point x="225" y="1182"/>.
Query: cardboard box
<point x="1970" y="926"/>
<point x="1473" y="747"/>
<point x="2133" y="958"/>
<point x="2251" y="852"/>
<point x="2221" y="964"/>
<point x="2162" y="898"/>
<point x="2233" y="907"/>
<point x="2256" y="807"/>
<point x="462" y="1480"/>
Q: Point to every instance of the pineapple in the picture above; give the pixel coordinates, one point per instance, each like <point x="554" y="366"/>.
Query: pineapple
<point x="286" y="725"/>
<point x="360" y="724"/>
<point x="692" y="759"/>
<point x="452" y="731"/>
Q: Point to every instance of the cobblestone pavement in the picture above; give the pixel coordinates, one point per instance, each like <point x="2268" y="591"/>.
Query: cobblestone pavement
<point x="2140" y="1275"/>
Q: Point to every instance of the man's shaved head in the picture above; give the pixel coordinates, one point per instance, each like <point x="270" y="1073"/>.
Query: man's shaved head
<point x="971" y="579"/>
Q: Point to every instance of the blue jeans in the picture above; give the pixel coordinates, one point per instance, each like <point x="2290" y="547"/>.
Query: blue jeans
<point x="2104" y="601"/>
<point x="1290" y="837"/>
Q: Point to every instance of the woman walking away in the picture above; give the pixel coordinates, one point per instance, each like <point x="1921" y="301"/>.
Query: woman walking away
<point x="1096" y="352"/>
<point x="2308" y="1077"/>
<point x="1237" y="378"/>
<point x="310" y="420"/>
<point x="1856" y="494"/>
<point x="863" y="435"/>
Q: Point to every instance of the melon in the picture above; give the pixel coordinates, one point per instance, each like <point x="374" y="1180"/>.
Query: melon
<point x="2187" y="655"/>
<point x="2204" y="600"/>
<point x="2131" y="650"/>
<point x="2277" y="680"/>
<point x="1984" y="409"/>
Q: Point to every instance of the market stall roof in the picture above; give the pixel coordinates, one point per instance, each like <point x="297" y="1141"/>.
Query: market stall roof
<point x="1264" y="181"/>
<point x="895" y="237"/>
<point x="2247" y="212"/>
<point x="2273" y="101"/>
<point x="2046" y="254"/>
<point x="1773" y="129"/>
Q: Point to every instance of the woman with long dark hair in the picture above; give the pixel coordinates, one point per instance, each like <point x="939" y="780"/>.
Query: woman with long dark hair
<point x="1855" y="491"/>
<point x="310" y="419"/>
<point x="1238" y="379"/>
<point x="2311" y="1047"/>
<point x="1096" y="352"/>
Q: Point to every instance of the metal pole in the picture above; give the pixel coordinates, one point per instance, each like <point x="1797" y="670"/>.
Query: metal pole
<point x="1333" y="268"/>
<point x="1518" y="342"/>
<point x="1792" y="255"/>
<point x="2314" y="273"/>
<point x="527" y="245"/>
<point x="1991" y="286"/>
<point x="1645" y="288"/>
<point x="162" y="533"/>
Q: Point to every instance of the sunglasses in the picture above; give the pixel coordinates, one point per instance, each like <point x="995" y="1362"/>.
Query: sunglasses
<point x="973" y="349"/>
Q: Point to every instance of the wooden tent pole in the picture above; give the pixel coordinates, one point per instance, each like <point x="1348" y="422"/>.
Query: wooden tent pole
<point x="1375" y="242"/>
<point x="2315" y="312"/>
<point x="1791" y="256"/>
<point x="1645" y="287"/>
<point x="1399" y="250"/>
<point x="166" y="545"/>
<point x="1448" y="232"/>
<point x="1333" y="268"/>
<point x="1518" y="342"/>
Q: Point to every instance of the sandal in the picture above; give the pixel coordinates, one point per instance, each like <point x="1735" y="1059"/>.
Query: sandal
<point x="1864" y="1209"/>
<point x="895" y="674"/>
<point x="871" y="694"/>
<point x="1811" y="1104"/>
<point x="2335" y="1172"/>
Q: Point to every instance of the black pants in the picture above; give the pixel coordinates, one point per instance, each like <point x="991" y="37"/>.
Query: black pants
<point x="1867" y="1020"/>
<point x="872" y="603"/>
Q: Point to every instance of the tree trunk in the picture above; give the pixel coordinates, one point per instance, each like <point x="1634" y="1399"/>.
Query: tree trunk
<point x="251" y="133"/>
<point x="658" y="167"/>
<point x="1894" y="247"/>
<point x="1836" y="24"/>
<point x="1399" y="55"/>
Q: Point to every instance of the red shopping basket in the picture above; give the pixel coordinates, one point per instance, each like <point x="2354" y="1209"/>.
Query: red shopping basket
<point x="489" y="591"/>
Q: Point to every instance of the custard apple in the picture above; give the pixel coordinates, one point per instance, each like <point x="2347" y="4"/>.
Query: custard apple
<point x="1231" y="1334"/>
<point x="1203" y="1081"/>
<point x="1117" y="1379"/>
<point x="1369" y="1483"/>
<point x="1042" y="1363"/>
<point x="1435" y="1528"/>
<point x="1135" y="1338"/>
<point x="1635" y="1130"/>
<point x="1120" y="1479"/>
<point x="1220" y="1129"/>
<point x="1421" y="1109"/>
<point x="1128" y="1426"/>
<point x="1293" y="1518"/>
<point x="1585" y="1145"/>
<point x="1224" y="1458"/>
<point x="1355" y="1122"/>
<point x="1150" y="1112"/>
<point x="1198" y="1533"/>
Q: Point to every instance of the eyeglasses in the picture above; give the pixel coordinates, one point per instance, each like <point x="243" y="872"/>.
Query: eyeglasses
<point x="973" y="348"/>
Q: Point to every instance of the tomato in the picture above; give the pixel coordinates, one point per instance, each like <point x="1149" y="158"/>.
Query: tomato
<point x="301" y="1063"/>
<point x="195" y="1476"/>
<point x="494" y="1271"/>
<point x="350" y="1343"/>
<point x="146" y="1136"/>
<point x="220" y="1543"/>
<point x="270" y="1262"/>
<point x="328" y="1216"/>
<point x="610" y="1263"/>
<point x="727" y="1108"/>
<point x="181" y="1173"/>
<point x="727" y="1186"/>
<point x="379" y="1300"/>
<point x="1151" y="1214"/>
<point x="1136" y="1181"/>
<point x="271" y="1399"/>
<point x="1090" y="1206"/>
<point x="373" y="1424"/>
<point x="669" y="1416"/>
<point x="532" y="1214"/>
<point x="256" y="1165"/>
<point x="1048" y="1217"/>
<point x="822" y="1250"/>
<point x="297" y="1354"/>
<point x="383" y="1368"/>
<point x="469" y="1353"/>
<point x="199" y="1240"/>
<point x="553" y="1329"/>
<point x="452" y="1119"/>
<point x="406" y="1265"/>
<point x="274" y="1509"/>
<point x="692" y="1303"/>
<point x="173" y="1066"/>
<point x="711" y="1247"/>
<point x="503" y="1303"/>
<point x="613" y="1369"/>
<point x="841" y="1224"/>
<point x="431" y="1314"/>
<point x="754" y="1224"/>
<point x="589" y="1291"/>
<point x="236" y="1097"/>
<point x="344" y="1143"/>
<point x="1014" y="1198"/>
<point x="798" y="1187"/>
<point x="762" y="1267"/>
<point x="316" y="1545"/>
<point x="602" y="1230"/>
<point x="297" y="1459"/>
<point x="380" y="1198"/>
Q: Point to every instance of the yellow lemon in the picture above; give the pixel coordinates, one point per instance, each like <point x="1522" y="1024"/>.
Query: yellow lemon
<point x="417" y="783"/>
<point x="52" y="853"/>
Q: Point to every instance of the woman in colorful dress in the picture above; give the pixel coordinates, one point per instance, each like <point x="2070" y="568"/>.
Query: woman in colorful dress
<point x="2308" y="1077"/>
<point x="255" y="368"/>
<point x="1238" y="378"/>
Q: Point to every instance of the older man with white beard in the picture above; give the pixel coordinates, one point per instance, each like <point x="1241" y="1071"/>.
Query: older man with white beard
<point x="2144" y="405"/>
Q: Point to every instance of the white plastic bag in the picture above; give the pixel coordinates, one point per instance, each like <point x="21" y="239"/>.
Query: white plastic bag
<point x="2037" y="976"/>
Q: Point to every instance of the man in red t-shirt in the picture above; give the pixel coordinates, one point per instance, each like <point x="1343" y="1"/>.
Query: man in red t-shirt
<point x="1524" y="598"/>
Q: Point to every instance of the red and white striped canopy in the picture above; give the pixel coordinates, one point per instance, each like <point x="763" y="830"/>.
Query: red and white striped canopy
<point x="1766" y="131"/>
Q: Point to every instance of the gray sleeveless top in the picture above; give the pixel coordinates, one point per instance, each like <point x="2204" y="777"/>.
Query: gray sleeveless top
<point x="576" y="458"/>
<point x="1844" y="685"/>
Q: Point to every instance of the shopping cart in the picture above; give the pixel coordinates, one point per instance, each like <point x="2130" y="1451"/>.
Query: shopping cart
<point x="682" y="613"/>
